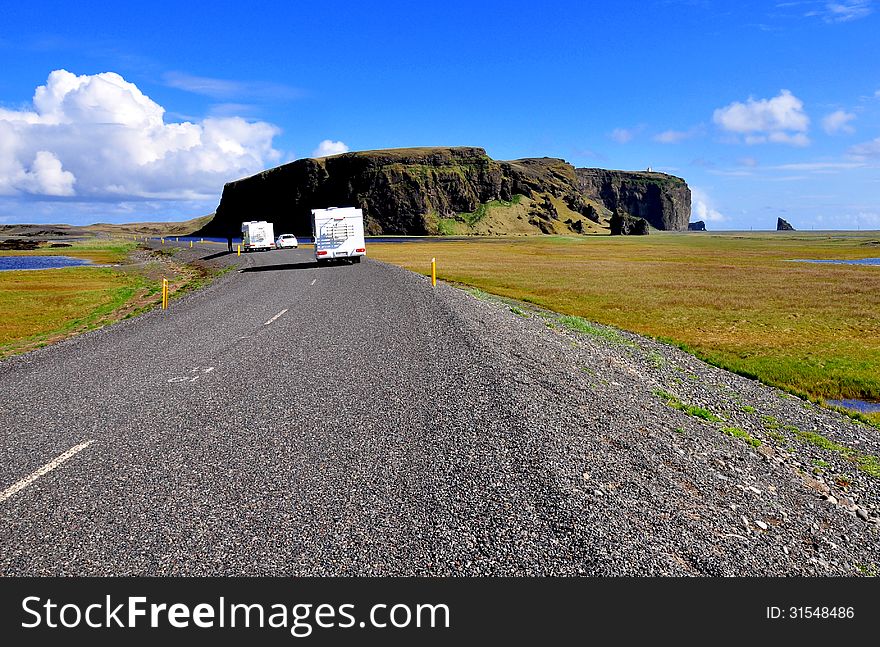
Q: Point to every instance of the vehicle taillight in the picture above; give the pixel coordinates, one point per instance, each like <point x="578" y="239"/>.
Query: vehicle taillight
<point x="321" y="253"/>
<point x="360" y="249"/>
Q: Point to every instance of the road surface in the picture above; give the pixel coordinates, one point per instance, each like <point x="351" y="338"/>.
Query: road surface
<point x="292" y="419"/>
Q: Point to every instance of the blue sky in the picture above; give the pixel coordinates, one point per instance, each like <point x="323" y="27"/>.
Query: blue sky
<point x="143" y="111"/>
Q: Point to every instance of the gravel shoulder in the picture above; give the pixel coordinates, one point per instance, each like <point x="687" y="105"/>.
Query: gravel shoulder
<point x="771" y="486"/>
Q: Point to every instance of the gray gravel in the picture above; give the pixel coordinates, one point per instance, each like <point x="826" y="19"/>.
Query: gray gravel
<point x="385" y="427"/>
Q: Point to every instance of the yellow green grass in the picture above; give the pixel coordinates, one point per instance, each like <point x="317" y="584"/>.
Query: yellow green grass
<point x="41" y="305"/>
<point x="99" y="251"/>
<point x="733" y="299"/>
<point x="47" y="305"/>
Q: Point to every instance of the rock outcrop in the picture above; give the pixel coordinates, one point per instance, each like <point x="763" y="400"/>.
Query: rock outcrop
<point x="623" y="224"/>
<point x="428" y="191"/>
<point x="663" y="200"/>
<point x="699" y="225"/>
<point x="783" y="225"/>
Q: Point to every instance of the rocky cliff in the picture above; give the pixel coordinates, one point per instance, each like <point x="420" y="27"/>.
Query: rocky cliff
<point x="427" y="191"/>
<point x="783" y="225"/>
<point x="663" y="200"/>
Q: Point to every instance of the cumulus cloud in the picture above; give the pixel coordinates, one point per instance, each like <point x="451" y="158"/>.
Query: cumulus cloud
<point x="838" y="122"/>
<point x="329" y="147"/>
<point x="866" y="149"/>
<point x="99" y="136"/>
<point x="780" y="120"/>
<point x="703" y="209"/>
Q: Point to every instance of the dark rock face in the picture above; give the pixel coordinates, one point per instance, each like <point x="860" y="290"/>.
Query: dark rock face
<point x="407" y="191"/>
<point x="699" y="225"/>
<point x="21" y="245"/>
<point x="783" y="225"/>
<point x="623" y="224"/>
<point x="663" y="200"/>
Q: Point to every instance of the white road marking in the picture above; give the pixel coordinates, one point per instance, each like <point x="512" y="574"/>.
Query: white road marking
<point x="275" y="317"/>
<point x="313" y="281"/>
<point x="48" y="467"/>
<point x="187" y="378"/>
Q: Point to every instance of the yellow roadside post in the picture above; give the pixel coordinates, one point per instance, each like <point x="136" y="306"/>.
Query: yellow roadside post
<point x="176" y="239"/>
<point x="433" y="271"/>
<point x="190" y="244"/>
<point x="164" y="294"/>
<point x="163" y="240"/>
<point x="239" y="249"/>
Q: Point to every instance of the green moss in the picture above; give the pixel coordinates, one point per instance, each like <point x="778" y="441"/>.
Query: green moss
<point x="866" y="463"/>
<point x="657" y="360"/>
<point x="692" y="410"/>
<point x="579" y="324"/>
<point x="736" y="432"/>
<point x="775" y="435"/>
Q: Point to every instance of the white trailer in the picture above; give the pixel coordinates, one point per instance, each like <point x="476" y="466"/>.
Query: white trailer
<point x="338" y="234"/>
<point x="257" y="235"/>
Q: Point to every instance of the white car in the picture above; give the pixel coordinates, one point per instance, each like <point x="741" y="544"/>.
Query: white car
<point x="286" y="240"/>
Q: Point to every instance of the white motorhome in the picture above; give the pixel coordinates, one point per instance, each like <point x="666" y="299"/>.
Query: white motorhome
<point x="257" y="235"/>
<point x="338" y="234"/>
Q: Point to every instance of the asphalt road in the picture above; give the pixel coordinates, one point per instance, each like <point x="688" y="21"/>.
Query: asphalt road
<point x="224" y="444"/>
<point x="292" y="419"/>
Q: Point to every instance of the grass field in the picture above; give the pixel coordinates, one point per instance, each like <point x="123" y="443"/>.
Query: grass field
<point x="100" y="251"/>
<point x="43" y="306"/>
<point x="733" y="299"/>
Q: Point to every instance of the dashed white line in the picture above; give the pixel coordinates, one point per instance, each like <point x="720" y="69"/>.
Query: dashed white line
<point x="48" y="467"/>
<point x="313" y="281"/>
<point x="275" y="317"/>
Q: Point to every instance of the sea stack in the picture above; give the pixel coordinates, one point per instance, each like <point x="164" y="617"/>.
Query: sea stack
<point x="783" y="225"/>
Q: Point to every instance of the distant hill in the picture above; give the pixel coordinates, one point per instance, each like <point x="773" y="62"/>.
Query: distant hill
<point x="101" y="228"/>
<point x="451" y="191"/>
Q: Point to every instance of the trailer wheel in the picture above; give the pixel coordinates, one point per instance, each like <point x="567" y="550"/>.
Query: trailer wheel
<point x="356" y="259"/>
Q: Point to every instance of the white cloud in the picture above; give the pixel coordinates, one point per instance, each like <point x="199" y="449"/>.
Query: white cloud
<point x="838" y="122"/>
<point x="98" y="136"/>
<point x="866" y="149"/>
<point x="329" y="147"/>
<point x="702" y="207"/>
<point x="676" y="136"/>
<point x="47" y="177"/>
<point x="869" y="220"/>
<point x="818" y="166"/>
<point x="779" y="120"/>
<point x="844" y="11"/>
<point x="229" y="89"/>
<point x="622" y="135"/>
<point x="671" y="136"/>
